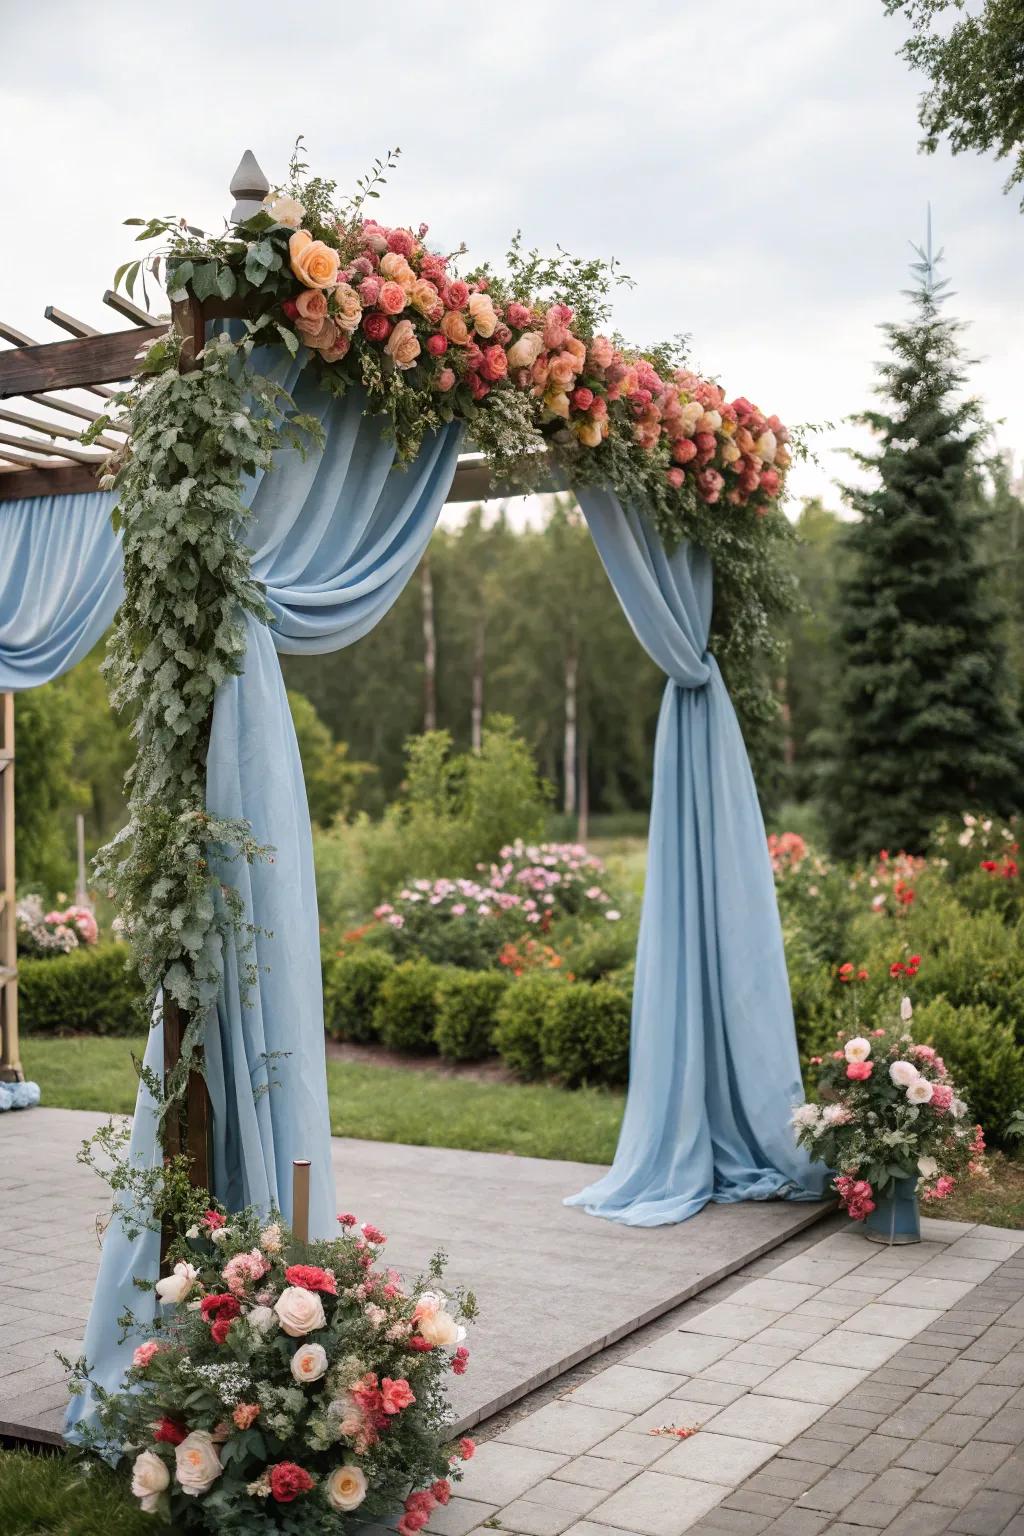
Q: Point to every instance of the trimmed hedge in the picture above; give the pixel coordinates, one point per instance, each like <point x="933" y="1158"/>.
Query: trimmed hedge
<point x="982" y="1053"/>
<point x="89" y="990"/>
<point x="352" y="984"/>
<point x="585" y="1034"/>
<point x="467" y="1005"/>
<point x="519" y="1022"/>
<point x="406" y="1013"/>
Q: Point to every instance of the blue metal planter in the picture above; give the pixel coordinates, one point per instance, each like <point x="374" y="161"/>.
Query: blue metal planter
<point x="896" y="1217"/>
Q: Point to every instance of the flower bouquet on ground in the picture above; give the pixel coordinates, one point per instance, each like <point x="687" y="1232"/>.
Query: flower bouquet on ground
<point x="890" y="1120"/>
<point x="288" y="1387"/>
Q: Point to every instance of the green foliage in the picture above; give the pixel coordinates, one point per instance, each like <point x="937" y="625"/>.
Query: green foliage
<point x="596" y="949"/>
<point x="983" y="1054"/>
<point x="406" y="1013"/>
<point x="46" y="1495"/>
<point x="467" y="1006"/>
<point x="333" y="780"/>
<point x="90" y="990"/>
<point x="352" y="983"/>
<point x="585" y="1035"/>
<point x="519" y="1022"/>
<point x="923" y="721"/>
<point x="976" y="69"/>
<point x="44" y="803"/>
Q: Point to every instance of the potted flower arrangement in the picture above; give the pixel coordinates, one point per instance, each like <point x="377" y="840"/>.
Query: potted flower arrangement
<point x="891" y="1122"/>
<point x="289" y="1387"/>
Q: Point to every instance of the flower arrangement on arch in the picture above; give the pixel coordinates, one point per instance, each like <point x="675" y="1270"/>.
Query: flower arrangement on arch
<point x="888" y="1110"/>
<point x="54" y="932"/>
<point x="290" y="1388"/>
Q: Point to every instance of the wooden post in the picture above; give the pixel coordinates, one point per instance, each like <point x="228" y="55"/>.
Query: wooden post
<point x="300" y="1199"/>
<point x="10" y="1059"/>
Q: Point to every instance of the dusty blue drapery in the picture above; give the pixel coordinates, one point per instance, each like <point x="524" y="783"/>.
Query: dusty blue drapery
<point x="714" y="1070"/>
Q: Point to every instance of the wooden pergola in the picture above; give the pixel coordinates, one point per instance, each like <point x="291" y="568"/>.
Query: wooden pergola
<point x="42" y="414"/>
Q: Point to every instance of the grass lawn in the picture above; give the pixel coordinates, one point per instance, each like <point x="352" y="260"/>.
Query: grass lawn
<point x="54" y="1496"/>
<point x="997" y="1201"/>
<point x="378" y="1103"/>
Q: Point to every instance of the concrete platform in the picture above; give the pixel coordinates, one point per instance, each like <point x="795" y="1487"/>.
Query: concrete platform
<point x="554" y="1285"/>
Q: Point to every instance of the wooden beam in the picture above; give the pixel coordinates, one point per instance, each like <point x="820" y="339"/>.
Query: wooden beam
<point x="132" y="312"/>
<point x="19" y="339"/>
<point x="47" y="480"/>
<point x="57" y="450"/>
<point x="87" y="361"/>
<point x="52" y="429"/>
<point x="68" y="322"/>
<point x="70" y="408"/>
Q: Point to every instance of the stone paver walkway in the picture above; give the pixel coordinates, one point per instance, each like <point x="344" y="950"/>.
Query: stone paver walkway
<point x="851" y="1389"/>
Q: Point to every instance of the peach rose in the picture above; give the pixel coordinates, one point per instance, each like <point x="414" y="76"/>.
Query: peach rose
<point x="309" y="1363"/>
<point x="348" y="309"/>
<point x="403" y="345"/>
<point x="577" y="351"/>
<point x="424" y="297"/>
<point x="589" y="433"/>
<point x="391" y="298"/>
<point x="346" y="1488"/>
<point x="435" y="1323"/>
<point x="557" y="402"/>
<point x="312" y="305"/>
<point x="562" y="371"/>
<point x="395" y="267"/>
<point x="313" y="262"/>
<point x="197" y="1465"/>
<point x="481" y="312"/>
<point x="454" y="327"/>
<point x="525" y="352"/>
<point x="326" y="337"/>
<point x="601" y="352"/>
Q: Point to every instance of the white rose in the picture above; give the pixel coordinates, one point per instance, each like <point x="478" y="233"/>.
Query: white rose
<point x="177" y="1285"/>
<point x="920" y="1091"/>
<point x="927" y="1167"/>
<point x="299" y="1311"/>
<point x="857" y="1049"/>
<point x="346" y="1488"/>
<point x="309" y="1363"/>
<point x="197" y="1463"/>
<point x="286" y="210"/>
<point x="903" y="1073"/>
<point x="150" y="1476"/>
<point x="262" y="1319"/>
<point x="221" y="1235"/>
<point x="906" y="1010"/>
<point x="958" y="1109"/>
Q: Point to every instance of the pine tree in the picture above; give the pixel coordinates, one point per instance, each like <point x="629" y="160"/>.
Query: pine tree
<point x="924" y="723"/>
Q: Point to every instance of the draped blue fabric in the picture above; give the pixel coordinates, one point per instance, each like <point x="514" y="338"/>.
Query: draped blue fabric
<point x="714" y="1071"/>
<point x="335" y="537"/>
<point x="60" y="584"/>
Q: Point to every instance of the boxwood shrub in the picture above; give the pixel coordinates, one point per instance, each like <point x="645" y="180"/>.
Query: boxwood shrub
<point x="519" y="1022"/>
<point x="982" y="1053"/>
<point x="89" y="990"/>
<point x="406" y="1012"/>
<point x="352" y="984"/>
<point x="467" y="1005"/>
<point x="585" y="1034"/>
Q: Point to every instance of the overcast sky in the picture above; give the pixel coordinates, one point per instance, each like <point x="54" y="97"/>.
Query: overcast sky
<point x="754" y="167"/>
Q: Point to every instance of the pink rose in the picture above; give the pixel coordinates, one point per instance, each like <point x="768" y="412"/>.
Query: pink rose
<point x="494" y="364"/>
<point x="582" y="398"/>
<point x="770" y="481"/>
<point x="401" y="240"/>
<point x="860" y="1071"/>
<point x="432" y="267"/>
<point x="709" y="484"/>
<point x="445" y="380"/>
<point x="391" y="298"/>
<point x="312" y="305"/>
<point x="338" y="350"/>
<point x="519" y="316"/>
<point x="942" y="1097"/>
<point x="684" y="449"/>
<point x="456" y="294"/>
<point x="675" y="478"/>
<point x="369" y="291"/>
<point x="437" y="346"/>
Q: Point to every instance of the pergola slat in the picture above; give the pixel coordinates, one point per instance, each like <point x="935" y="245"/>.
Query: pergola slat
<point x="79" y="328"/>
<point x="58" y="450"/>
<point x="52" y="429"/>
<point x="84" y="362"/>
<point x="132" y="312"/>
<point x="37" y="479"/>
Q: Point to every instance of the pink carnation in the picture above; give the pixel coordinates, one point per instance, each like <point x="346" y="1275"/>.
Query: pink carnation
<point x="860" y="1071"/>
<point x="244" y="1270"/>
<point x="145" y="1352"/>
<point x="942" y="1097"/>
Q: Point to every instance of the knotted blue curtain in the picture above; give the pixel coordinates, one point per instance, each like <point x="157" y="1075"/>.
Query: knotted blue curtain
<point x="335" y="537"/>
<point x="60" y="584"/>
<point x="714" y="1071"/>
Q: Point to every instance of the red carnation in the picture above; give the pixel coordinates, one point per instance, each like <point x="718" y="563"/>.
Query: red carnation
<point x="220" y="1312"/>
<point x="460" y="1360"/>
<point x="312" y="1278"/>
<point x="169" y="1431"/>
<point x="288" y="1480"/>
<point x="373" y="1234"/>
<point x="346" y="1219"/>
<point x="418" y="1343"/>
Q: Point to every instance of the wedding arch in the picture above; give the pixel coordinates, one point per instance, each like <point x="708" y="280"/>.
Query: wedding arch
<point x="279" y="464"/>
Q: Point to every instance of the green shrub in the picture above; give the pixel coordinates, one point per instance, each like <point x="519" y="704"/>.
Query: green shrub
<point x="519" y="1022"/>
<point x="406" y="1013"/>
<point x="467" y="1005"/>
<point x="597" y="948"/>
<point x="585" y="1035"/>
<point x="982" y="1054"/>
<point x="89" y="990"/>
<point x="352" y="984"/>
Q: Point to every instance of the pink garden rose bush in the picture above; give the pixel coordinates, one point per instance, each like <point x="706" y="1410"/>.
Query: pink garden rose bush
<point x="54" y="931"/>
<point x="287" y="1388"/>
<point x="887" y="1109"/>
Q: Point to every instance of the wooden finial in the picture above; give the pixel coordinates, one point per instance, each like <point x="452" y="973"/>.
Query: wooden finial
<point x="249" y="186"/>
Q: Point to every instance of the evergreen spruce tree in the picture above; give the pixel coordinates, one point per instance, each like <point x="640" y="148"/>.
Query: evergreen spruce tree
<point x="924" y="724"/>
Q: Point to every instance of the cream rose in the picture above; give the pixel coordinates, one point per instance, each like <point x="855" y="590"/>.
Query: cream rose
<point x="150" y="1476"/>
<point x="177" y="1285"/>
<point x="197" y="1463"/>
<point x="313" y="262"/>
<point x="220" y="1236"/>
<point x="920" y="1091"/>
<point x="286" y="210"/>
<point x="397" y="270"/>
<point x="348" y="309"/>
<point x="454" y="327"/>
<point x="309" y="1363"/>
<point x="435" y="1323"/>
<point x="525" y="352"/>
<point x="481" y="312"/>
<point x="766" y="446"/>
<point x="346" y="1488"/>
<point x="299" y="1311"/>
<point x="403" y="345"/>
<point x="425" y="297"/>
<point x="903" y="1073"/>
<point x="589" y="434"/>
<point x="857" y="1049"/>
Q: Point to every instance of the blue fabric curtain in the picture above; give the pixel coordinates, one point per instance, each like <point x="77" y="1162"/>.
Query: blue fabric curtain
<point x="60" y="584"/>
<point x="714" y="1070"/>
<point x="335" y="537"/>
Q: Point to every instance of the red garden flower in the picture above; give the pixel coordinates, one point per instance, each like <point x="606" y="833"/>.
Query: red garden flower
<point x="460" y="1360"/>
<point x="312" y="1278"/>
<point x="169" y="1431"/>
<point x="220" y="1312"/>
<point x="288" y="1480"/>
